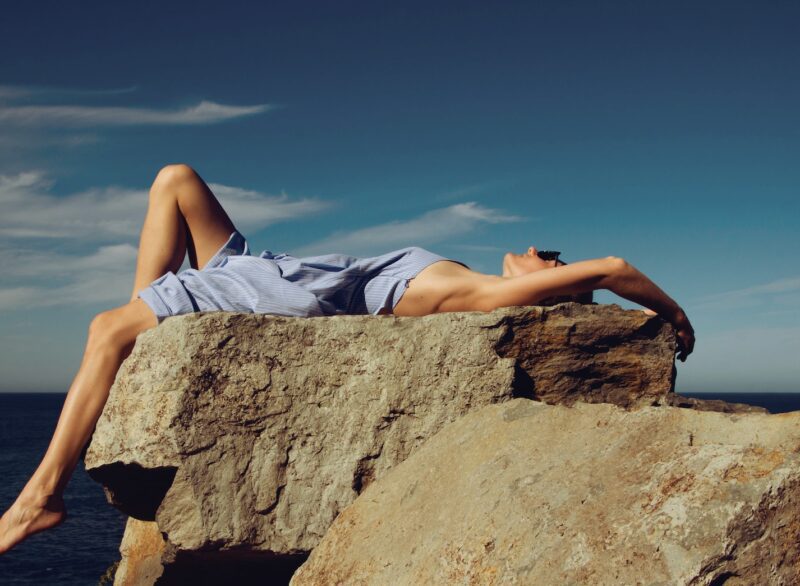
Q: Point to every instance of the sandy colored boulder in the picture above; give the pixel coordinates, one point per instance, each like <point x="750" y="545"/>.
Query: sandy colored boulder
<point x="527" y="493"/>
<point x="252" y="432"/>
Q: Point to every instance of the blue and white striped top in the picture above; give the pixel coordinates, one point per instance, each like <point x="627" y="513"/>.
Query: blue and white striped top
<point x="280" y="284"/>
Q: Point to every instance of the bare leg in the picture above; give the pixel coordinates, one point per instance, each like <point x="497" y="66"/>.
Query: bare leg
<point x="40" y="504"/>
<point x="182" y="213"/>
<point x="182" y="216"/>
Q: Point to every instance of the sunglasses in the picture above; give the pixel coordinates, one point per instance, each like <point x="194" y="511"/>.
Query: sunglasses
<point x="549" y="255"/>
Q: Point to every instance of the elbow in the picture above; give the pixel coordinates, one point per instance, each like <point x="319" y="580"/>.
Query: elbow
<point x="616" y="270"/>
<point x="617" y="265"/>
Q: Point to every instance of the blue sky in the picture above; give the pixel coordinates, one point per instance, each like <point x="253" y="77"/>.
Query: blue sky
<point x="665" y="133"/>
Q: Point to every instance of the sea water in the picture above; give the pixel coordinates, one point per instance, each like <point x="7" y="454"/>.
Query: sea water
<point x="80" y="550"/>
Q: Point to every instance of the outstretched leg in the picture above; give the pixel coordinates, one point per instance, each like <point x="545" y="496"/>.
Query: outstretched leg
<point x="183" y="215"/>
<point x="40" y="505"/>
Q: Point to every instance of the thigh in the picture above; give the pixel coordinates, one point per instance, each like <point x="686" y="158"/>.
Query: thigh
<point x="207" y="224"/>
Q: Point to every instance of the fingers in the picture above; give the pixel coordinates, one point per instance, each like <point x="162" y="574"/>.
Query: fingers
<point x="681" y="350"/>
<point x="685" y="344"/>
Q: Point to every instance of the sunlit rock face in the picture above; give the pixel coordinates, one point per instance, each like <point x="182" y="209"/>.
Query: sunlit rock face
<point x="527" y="493"/>
<point x="242" y="435"/>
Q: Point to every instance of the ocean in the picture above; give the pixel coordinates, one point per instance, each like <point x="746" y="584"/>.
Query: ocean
<point x="80" y="550"/>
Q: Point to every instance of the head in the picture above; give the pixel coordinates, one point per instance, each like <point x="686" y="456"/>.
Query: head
<point x="529" y="262"/>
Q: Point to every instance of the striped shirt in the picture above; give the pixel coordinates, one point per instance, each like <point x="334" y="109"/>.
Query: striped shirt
<point x="281" y="284"/>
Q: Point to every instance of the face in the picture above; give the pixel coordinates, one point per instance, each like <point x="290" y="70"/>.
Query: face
<point x="527" y="262"/>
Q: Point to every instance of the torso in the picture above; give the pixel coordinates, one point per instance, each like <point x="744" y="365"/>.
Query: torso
<point x="442" y="286"/>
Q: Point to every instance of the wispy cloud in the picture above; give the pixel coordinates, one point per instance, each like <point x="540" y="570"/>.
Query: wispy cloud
<point x="434" y="226"/>
<point x="29" y="210"/>
<point x="38" y="274"/>
<point x="779" y="291"/>
<point x="206" y="112"/>
<point x="104" y="276"/>
<point x="253" y="210"/>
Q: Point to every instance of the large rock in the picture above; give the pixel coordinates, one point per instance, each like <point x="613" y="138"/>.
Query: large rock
<point x="250" y="433"/>
<point x="527" y="493"/>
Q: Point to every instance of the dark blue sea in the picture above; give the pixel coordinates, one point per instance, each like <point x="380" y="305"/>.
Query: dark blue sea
<point x="81" y="549"/>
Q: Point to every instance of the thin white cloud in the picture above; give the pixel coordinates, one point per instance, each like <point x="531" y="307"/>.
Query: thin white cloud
<point x="102" y="277"/>
<point x="435" y="226"/>
<point x="253" y="210"/>
<point x="777" y="286"/>
<point x="16" y="297"/>
<point x="46" y="265"/>
<point x="29" y="210"/>
<point x="780" y="291"/>
<point x="206" y="112"/>
<point x="47" y="276"/>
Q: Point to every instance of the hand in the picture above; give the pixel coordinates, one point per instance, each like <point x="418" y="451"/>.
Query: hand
<point x="685" y="336"/>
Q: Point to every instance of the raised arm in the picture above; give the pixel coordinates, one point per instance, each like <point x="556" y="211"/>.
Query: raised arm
<point x="612" y="273"/>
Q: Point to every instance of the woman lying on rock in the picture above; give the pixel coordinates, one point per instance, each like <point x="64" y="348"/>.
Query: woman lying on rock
<point x="184" y="216"/>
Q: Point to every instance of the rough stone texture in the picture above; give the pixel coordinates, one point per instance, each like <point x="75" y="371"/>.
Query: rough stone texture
<point x="594" y="354"/>
<point x="243" y="433"/>
<point x="141" y="548"/>
<point x="675" y="400"/>
<point x="527" y="493"/>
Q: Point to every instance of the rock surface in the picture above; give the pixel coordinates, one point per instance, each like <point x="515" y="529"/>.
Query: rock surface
<point x="250" y="433"/>
<point x="527" y="493"/>
<point x="675" y="400"/>
<point x="142" y="548"/>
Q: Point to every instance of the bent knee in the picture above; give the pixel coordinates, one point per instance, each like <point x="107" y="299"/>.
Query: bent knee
<point x="175" y="173"/>
<point x="103" y="329"/>
<point x="118" y="328"/>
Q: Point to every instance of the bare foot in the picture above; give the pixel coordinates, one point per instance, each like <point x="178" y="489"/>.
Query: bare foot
<point x="28" y="516"/>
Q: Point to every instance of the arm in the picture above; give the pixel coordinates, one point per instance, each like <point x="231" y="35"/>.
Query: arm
<point x="611" y="273"/>
<point x="628" y="282"/>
